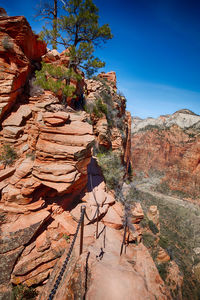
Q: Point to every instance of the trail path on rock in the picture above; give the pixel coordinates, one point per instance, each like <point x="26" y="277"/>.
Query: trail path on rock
<point x="100" y="272"/>
<point x="146" y="188"/>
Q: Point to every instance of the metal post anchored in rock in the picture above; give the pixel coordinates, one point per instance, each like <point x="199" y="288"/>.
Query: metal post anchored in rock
<point x="124" y="237"/>
<point x="82" y="229"/>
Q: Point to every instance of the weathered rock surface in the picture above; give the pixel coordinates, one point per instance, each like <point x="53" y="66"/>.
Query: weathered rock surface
<point x="110" y="77"/>
<point x="162" y="256"/>
<point x="53" y="149"/>
<point x="168" y="148"/>
<point x="112" y="129"/>
<point x="19" y="47"/>
<point x="19" y="232"/>
<point x="174" y="280"/>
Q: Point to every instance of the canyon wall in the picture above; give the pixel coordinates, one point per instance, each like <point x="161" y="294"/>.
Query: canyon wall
<point x="168" y="148"/>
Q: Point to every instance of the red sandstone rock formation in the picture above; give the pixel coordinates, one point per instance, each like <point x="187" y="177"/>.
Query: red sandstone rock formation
<point x="169" y="152"/>
<point x="19" y="48"/>
<point x="114" y="130"/>
<point x="131" y="276"/>
<point x="53" y="148"/>
<point x="110" y="77"/>
<point x="43" y="187"/>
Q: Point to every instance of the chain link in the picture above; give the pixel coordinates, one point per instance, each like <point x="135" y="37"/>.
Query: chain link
<point x="55" y="287"/>
<point x="91" y="220"/>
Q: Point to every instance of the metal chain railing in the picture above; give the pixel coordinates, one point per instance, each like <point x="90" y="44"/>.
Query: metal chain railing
<point x="124" y="237"/>
<point x="97" y="211"/>
<point x="94" y="217"/>
<point x="80" y="224"/>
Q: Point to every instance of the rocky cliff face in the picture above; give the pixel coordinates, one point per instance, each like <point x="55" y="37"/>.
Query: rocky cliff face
<point x="111" y="122"/>
<point x="168" y="148"/>
<point x="45" y="153"/>
<point x="20" y="49"/>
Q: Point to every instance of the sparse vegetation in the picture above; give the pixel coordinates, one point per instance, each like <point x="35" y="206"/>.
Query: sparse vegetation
<point x="163" y="242"/>
<point x="57" y="79"/>
<point x="66" y="237"/>
<point x="102" y="80"/>
<point x="179" y="236"/>
<point x="105" y="104"/>
<point x="31" y="155"/>
<point x="8" y="154"/>
<point x="150" y="127"/>
<point x="23" y="292"/>
<point x="148" y="240"/>
<point x="112" y="169"/>
<point x="165" y="189"/>
<point x="98" y="108"/>
<point x="153" y="227"/>
<point x="162" y="269"/>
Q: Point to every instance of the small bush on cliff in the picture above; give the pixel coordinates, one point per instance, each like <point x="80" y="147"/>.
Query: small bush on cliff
<point x="112" y="169"/>
<point x="148" y="240"/>
<point x="153" y="227"/>
<point x="22" y="292"/>
<point x="163" y="242"/>
<point x="7" y="155"/>
<point x="66" y="237"/>
<point x="162" y="269"/>
<point x="57" y="79"/>
<point x="98" y="108"/>
<point x="7" y="43"/>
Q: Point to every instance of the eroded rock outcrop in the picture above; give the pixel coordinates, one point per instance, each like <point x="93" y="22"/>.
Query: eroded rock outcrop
<point x="54" y="149"/>
<point x="111" y="123"/>
<point x="110" y="77"/>
<point x="19" y="49"/>
<point x="46" y="168"/>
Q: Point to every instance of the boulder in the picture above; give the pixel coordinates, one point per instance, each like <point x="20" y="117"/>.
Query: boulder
<point x="16" y="118"/>
<point x="67" y="222"/>
<point x="51" y="56"/>
<point x="19" y="232"/>
<point x="110" y="77"/>
<point x="162" y="256"/>
<point x="137" y="213"/>
<point x="112" y="218"/>
<point x="43" y="242"/>
<point x="6" y="173"/>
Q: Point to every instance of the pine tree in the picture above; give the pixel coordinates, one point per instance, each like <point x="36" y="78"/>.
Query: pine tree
<point x="78" y="30"/>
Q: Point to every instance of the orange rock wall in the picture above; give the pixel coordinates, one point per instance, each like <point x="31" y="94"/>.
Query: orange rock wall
<point x="19" y="47"/>
<point x="172" y="152"/>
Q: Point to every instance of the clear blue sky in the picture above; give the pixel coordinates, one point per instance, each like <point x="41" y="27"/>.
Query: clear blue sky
<point x="155" y="51"/>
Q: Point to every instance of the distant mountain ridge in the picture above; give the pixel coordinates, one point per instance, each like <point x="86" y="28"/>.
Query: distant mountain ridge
<point x="183" y="118"/>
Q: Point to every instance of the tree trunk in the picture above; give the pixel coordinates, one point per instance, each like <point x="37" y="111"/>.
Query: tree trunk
<point x="55" y="17"/>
